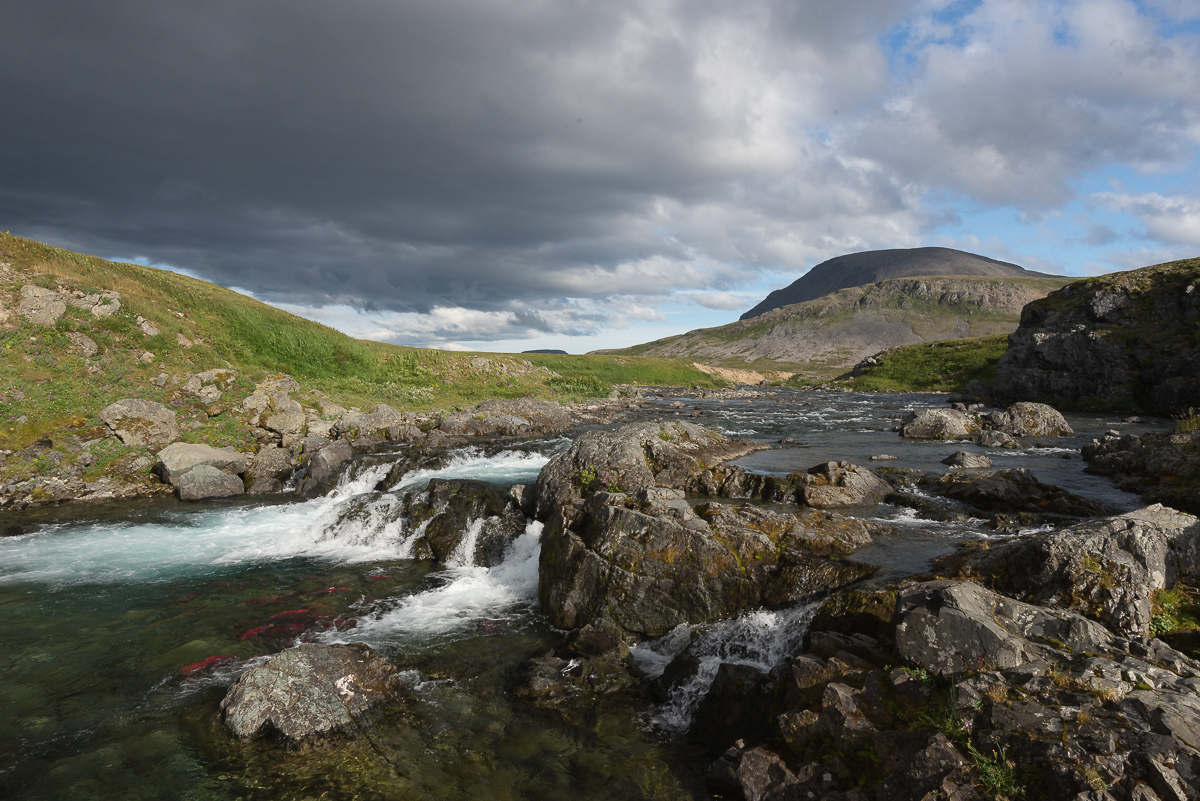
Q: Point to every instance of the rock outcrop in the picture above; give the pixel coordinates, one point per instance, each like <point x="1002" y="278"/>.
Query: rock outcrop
<point x="141" y="423"/>
<point x="508" y="417"/>
<point x="1104" y="569"/>
<point x="310" y="694"/>
<point x="1012" y="492"/>
<point x="1116" y="341"/>
<point x="993" y="693"/>
<point x="41" y="306"/>
<point x="1160" y="467"/>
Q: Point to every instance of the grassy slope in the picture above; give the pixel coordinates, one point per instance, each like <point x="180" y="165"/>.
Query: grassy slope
<point x="944" y="366"/>
<point x="230" y="329"/>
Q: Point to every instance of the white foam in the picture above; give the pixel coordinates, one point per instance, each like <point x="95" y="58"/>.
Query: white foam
<point x="507" y="467"/>
<point x="760" y="639"/>
<point x="467" y="595"/>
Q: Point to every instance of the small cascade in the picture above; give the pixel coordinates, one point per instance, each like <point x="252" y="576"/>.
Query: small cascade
<point x="761" y="639"/>
<point x="470" y="594"/>
<point x="464" y="554"/>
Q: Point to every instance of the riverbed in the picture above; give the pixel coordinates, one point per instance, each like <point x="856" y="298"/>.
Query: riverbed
<point x="123" y="626"/>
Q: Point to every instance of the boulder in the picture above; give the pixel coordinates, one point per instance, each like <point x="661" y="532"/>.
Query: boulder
<point x="203" y="482"/>
<point x="309" y="694"/>
<point x="377" y="423"/>
<point x="324" y="468"/>
<point x="1105" y="569"/>
<point x="995" y="439"/>
<point x="841" y="484"/>
<point x="950" y="628"/>
<point x="650" y="562"/>
<point x="83" y="344"/>
<point x="1027" y="419"/>
<point x="632" y="458"/>
<point x="1012" y="491"/>
<point x="41" y="306"/>
<point x="967" y="460"/>
<point x="270" y="397"/>
<point x="938" y="424"/>
<point x="104" y="304"/>
<point x="291" y="422"/>
<point x="1160" y="466"/>
<point x="177" y="459"/>
<point x="269" y="470"/>
<point x="141" y="423"/>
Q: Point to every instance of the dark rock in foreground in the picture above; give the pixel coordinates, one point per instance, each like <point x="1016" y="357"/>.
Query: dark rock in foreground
<point x="311" y="693"/>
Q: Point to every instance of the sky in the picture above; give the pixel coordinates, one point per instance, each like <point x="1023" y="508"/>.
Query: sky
<point x="506" y="175"/>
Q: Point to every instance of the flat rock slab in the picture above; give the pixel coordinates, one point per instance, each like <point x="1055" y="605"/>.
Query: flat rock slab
<point x="938" y="424"/>
<point x="310" y="693"/>
<point x="41" y="306"/>
<point x="179" y="458"/>
<point x="141" y="423"/>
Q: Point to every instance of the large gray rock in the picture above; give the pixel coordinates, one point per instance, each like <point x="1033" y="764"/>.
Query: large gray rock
<point x="1013" y="491"/>
<point x="651" y="562"/>
<point x="270" y="397"/>
<point x="1105" y="569"/>
<point x="967" y="460"/>
<point x="633" y="458"/>
<point x="952" y="627"/>
<point x="177" y="459"/>
<point x="324" y="468"/>
<point x="41" y="306"/>
<point x="141" y="423"/>
<point x="382" y="421"/>
<point x="269" y="470"/>
<point x="833" y="484"/>
<point x="309" y="694"/>
<point x="938" y="424"/>
<point x="83" y="344"/>
<point x="102" y="305"/>
<point x="203" y="482"/>
<point x="1027" y="419"/>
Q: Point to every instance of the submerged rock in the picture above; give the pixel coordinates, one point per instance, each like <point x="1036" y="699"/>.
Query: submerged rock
<point x="967" y="460"/>
<point x="308" y="694"/>
<point x="1012" y="491"/>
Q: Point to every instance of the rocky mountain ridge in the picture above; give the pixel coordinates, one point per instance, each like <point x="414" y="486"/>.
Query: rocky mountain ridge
<point x="877" y="266"/>
<point x="837" y="331"/>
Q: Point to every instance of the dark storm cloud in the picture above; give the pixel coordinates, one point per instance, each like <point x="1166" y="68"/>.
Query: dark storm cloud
<point x="558" y="167"/>
<point x="403" y="155"/>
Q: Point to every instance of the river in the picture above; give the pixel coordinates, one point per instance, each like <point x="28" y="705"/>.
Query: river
<point x="122" y="626"/>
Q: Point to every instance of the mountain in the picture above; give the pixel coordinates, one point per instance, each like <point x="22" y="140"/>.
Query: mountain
<point x="873" y="266"/>
<point x="838" y="330"/>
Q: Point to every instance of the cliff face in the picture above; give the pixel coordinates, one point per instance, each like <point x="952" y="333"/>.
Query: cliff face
<point x="839" y="330"/>
<point x="876" y="266"/>
<point x="1128" y="340"/>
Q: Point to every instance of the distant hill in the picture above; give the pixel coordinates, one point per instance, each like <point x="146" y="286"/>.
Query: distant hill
<point x="873" y="266"/>
<point x="830" y="334"/>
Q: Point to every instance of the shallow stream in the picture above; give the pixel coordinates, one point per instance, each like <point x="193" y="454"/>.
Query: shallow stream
<point x="123" y="626"/>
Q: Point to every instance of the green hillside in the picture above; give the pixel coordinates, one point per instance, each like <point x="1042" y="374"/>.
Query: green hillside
<point x="822" y="338"/>
<point x="48" y="385"/>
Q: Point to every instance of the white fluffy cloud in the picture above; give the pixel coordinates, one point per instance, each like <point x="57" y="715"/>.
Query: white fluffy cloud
<point x="1175" y="219"/>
